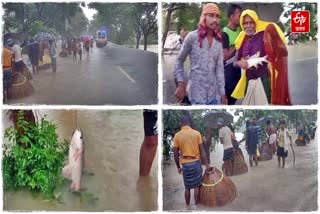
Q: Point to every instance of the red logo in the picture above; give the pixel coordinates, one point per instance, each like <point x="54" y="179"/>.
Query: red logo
<point x="300" y="21"/>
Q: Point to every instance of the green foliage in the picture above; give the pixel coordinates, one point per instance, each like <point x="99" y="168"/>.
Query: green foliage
<point x="126" y="21"/>
<point x="38" y="26"/>
<point x="171" y="125"/>
<point x="188" y="16"/>
<point x="31" y="18"/>
<point x="33" y="158"/>
<point x="292" y="117"/>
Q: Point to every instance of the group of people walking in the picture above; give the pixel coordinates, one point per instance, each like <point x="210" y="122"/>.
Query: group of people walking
<point x="218" y="56"/>
<point x="190" y="145"/>
<point x="77" y="46"/>
<point x="39" y="53"/>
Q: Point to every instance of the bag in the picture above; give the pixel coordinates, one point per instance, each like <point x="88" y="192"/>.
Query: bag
<point x="258" y="153"/>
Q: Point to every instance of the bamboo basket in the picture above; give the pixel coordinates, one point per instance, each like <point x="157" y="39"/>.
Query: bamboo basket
<point x="20" y="87"/>
<point x="266" y="153"/>
<point x="217" y="190"/>
<point x="239" y="164"/>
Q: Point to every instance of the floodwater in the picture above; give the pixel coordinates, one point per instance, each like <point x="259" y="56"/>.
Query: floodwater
<point x="263" y="188"/>
<point x="113" y="140"/>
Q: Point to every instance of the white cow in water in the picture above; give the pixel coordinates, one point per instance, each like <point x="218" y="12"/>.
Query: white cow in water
<point x="73" y="170"/>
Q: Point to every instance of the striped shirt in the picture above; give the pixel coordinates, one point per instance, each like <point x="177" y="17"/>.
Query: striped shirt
<point x="259" y="132"/>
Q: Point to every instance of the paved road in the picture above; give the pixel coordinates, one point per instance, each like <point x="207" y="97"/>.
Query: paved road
<point x="113" y="75"/>
<point x="303" y="78"/>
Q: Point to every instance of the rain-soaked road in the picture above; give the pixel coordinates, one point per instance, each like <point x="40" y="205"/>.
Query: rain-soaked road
<point x="303" y="75"/>
<point x="264" y="188"/>
<point x="113" y="140"/>
<point x="113" y="75"/>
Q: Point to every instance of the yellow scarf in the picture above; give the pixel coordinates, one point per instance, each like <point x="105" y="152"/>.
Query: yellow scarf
<point x="239" y="90"/>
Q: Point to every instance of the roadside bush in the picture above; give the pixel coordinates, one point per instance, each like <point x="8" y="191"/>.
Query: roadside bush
<point x="33" y="158"/>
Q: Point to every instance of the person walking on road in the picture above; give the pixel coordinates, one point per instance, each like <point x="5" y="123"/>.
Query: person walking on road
<point x="53" y="55"/>
<point x="284" y="140"/>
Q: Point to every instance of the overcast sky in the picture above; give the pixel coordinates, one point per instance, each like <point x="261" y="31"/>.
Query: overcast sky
<point x="88" y="12"/>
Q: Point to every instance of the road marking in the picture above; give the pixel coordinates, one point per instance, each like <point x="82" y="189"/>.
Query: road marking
<point x="126" y="74"/>
<point x="298" y="60"/>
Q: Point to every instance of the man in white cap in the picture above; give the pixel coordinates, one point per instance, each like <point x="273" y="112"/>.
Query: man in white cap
<point x="225" y="135"/>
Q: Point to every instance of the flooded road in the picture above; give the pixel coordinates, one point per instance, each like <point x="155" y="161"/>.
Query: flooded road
<point x="264" y="188"/>
<point x="113" y="75"/>
<point x="113" y="140"/>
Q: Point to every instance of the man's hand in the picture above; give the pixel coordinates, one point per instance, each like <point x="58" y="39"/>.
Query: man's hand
<point x="224" y="100"/>
<point x="180" y="91"/>
<point x="179" y="170"/>
<point x="243" y="64"/>
<point x="208" y="167"/>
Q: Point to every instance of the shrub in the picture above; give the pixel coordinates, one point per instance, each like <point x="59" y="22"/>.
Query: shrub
<point x="33" y="158"/>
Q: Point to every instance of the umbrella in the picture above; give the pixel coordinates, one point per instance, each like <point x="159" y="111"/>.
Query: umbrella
<point x="86" y="38"/>
<point x="212" y="117"/>
<point x="41" y="36"/>
<point x="263" y="120"/>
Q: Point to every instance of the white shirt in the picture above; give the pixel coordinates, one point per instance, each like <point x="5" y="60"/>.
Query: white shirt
<point x="16" y="50"/>
<point x="225" y="133"/>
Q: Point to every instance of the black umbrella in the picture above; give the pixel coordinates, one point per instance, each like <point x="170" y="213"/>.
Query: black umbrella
<point x="263" y="120"/>
<point x="41" y="36"/>
<point x="212" y="117"/>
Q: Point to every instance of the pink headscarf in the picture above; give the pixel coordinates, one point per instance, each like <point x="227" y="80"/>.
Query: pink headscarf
<point x="202" y="29"/>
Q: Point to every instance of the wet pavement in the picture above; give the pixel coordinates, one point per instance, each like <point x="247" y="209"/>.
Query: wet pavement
<point x="263" y="188"/>
<point x="302" y="67"/>
<point x="113" y="140"/>
<point x="113" y="75"/>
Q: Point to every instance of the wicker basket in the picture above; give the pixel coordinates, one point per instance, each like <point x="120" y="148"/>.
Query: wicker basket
<point x="20" y="87"/>
<point x="239" y="164"/>
<point x="265" y="153"/>
<point x="217" y="190"/>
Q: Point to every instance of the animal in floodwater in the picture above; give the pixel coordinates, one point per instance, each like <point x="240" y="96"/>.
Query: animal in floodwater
<point x="256" y="60"/>
<point x="74" y="169"/>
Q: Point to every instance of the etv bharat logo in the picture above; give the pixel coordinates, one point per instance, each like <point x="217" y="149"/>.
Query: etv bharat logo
<point x="300" y="21"/>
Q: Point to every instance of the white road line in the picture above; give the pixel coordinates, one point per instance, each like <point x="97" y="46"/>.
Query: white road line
<point x="298" y="60"/>
<point x="126" y="74"/>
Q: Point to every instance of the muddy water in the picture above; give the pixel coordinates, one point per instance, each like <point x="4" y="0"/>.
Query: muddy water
<point x="264" y="188"/>
<point x="113" y="140"/>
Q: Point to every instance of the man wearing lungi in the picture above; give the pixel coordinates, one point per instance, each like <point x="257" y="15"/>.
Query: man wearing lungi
<point x="149" y="146"/>
<point x="206" y="79"/>
<point x="189" y="142"/>
<point x="262" y="85"/>
<point x="7" y="70"/>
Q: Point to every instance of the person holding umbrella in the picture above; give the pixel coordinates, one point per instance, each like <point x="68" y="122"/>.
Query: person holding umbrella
<point x="53" y="55"/>
<point x="225" y="135"/>
<point x="34" y="55"/>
